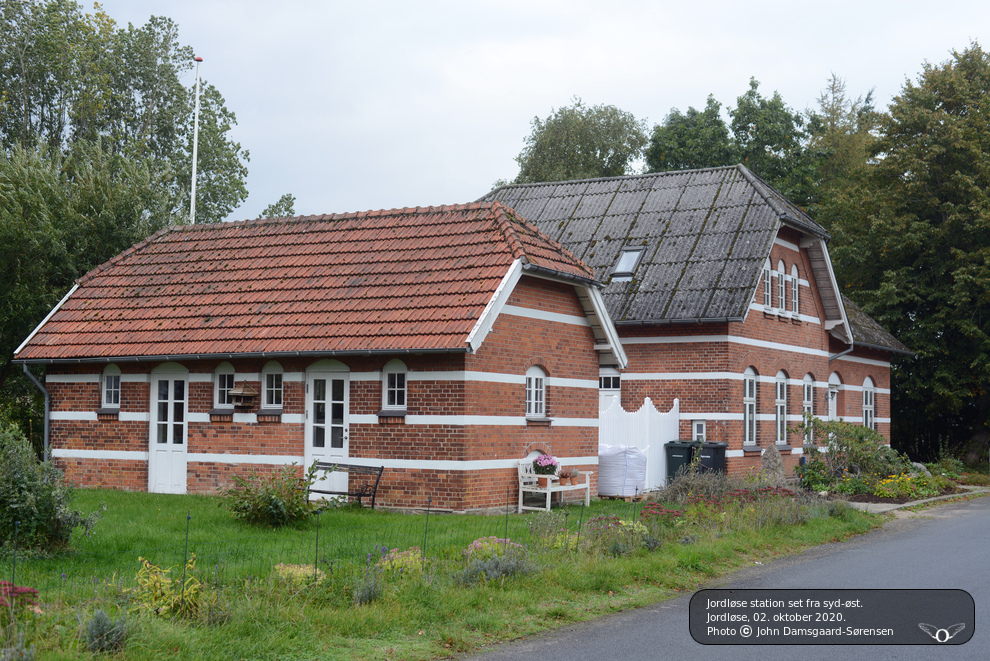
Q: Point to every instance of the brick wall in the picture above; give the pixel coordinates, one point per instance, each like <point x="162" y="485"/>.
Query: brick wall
<point x="515" y="343"/>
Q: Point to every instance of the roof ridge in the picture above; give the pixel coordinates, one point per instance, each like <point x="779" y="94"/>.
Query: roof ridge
<point x="781" y="209"/>
<point x="504" y="224"/>
<point x="594" y="179"/>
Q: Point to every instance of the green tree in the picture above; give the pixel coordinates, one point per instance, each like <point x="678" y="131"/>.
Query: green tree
<point x="66" y="77"/>
<point x="915" y="247"/>
<point x="696" y="139"/>
<point x="283" y="208"/>
<point x="581" y="142"/>
<point x="765" y="135"/>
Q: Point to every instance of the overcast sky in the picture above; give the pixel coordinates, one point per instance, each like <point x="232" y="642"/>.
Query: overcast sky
<point x="363" y="105"/>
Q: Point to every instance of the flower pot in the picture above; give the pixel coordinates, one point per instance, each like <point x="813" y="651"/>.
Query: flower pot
<point x="564" y="481"/>
<point x="544" y="480"/>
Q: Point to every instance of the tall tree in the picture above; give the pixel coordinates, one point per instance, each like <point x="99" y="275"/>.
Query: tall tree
<point x="581" y="142"/>
<point x="764" y="134"/>
<point x="915" y="247"/>
<point x="66" y="76"/>
<point x="696" y="139"/>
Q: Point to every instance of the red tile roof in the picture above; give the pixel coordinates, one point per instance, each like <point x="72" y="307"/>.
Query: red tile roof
<point x="376" y="281"/>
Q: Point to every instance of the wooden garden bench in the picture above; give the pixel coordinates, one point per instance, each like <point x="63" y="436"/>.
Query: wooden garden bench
<point x="365" y="490"/>
<point x="529" y="483"/>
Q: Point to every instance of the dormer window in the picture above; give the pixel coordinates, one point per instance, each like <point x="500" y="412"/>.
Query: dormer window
<point x="626" y="264"/>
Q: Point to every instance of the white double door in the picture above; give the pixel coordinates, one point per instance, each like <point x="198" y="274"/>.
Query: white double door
<point x="168" y="434"/>
<point x="327" y="404"/>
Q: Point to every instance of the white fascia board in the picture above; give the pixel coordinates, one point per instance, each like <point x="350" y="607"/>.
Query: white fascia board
<point x="838" y="294"/>
<point x="45" y="320"/>
<point x="611" y="335"/>
<point x="498" y="300"/>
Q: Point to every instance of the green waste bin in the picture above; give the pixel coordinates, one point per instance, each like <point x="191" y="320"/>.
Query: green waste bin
<point x="679" y="453"/>
<point x="712" y="457"/>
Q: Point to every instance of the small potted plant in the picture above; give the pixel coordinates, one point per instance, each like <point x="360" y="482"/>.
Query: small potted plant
<point x="544" y="466"/>
<point x="566" y="475"/>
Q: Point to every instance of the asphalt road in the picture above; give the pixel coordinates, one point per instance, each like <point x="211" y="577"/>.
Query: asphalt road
<point x="943" y="547"/>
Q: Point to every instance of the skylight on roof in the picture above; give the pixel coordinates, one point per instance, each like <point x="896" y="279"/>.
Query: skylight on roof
<point x="626" y="264"/>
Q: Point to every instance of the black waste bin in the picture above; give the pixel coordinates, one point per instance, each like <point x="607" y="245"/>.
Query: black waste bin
<point x="679" y="453"/>
<point x="712" y="457"/>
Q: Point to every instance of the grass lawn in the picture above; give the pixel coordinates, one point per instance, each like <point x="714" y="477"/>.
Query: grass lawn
<point x="418" y="608"/>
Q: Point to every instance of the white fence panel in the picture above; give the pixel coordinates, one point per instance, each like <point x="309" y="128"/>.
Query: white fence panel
<point x="647" y="429"/>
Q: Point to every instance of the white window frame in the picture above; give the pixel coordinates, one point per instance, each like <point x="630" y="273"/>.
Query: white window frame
<point x="395" y="386"/>
<point x="609" y="379"/>
<point x="767" y="287"/>
<point x="795" y="291"/>
<point x="808" y="407"/>
<point x="750" y="423"/>
<point x="110" y="387"/>
<point x="224" y="381"/>
<point x="627" y="263"/>
<point x="699" y="430"/>
<point x="536" y="393"/>
<point x="272" y="386"/>
<point x="869" y="404"/>
<point x="781" y="289"/>
<point x="780" y="408"/>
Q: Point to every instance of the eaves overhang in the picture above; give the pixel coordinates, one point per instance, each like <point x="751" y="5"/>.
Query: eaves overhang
<point x="233" y="356"/>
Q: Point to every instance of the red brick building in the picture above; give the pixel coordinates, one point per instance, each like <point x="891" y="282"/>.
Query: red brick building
<point x="443" y="343"/>
<point x="724" y="297"/>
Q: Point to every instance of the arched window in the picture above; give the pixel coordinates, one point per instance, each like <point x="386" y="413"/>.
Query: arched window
<point x="767" y="297"/>
<point x="110" y="387"/>
<point x="780" y="408"/>
<point x="536" y="393"/>
<point x="795" y="283"/>
<point x="781" y="288"/>
<point x="749" y="407"/>
<point x="271" y="381"/>
<point x="223" y="384"/>
<point x="394" y="385"/>
<point x="808" y="407"/>
<point x="869" y="404"/>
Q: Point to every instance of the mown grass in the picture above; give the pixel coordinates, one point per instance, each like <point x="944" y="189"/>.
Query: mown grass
<point x="421" y="615"/>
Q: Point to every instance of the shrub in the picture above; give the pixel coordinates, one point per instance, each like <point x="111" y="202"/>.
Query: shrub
<point x="158" y="593"/>
<point x="275" y="499"/>
<point x="370" y="586"/>
<point x="495" y="567"/>
<point x="35" y="496"/>
<point x="15" y="602"/>
<point x="104" y="634"/>
<point x="850" y="447"/>
<point x="485" y="548"/>
<point x="17" y="651"/>
<point x="403" y="563"/>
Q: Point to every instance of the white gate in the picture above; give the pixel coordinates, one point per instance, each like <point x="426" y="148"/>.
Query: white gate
<point x="647" y="429"/>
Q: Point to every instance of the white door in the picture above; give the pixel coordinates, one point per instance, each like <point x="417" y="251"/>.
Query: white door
<point x="327" y="402"/>
<point x="167" y="442"/>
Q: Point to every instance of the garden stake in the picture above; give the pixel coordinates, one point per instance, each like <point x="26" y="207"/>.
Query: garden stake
<point x="580" y="524"/>
<point x="426" y="528"/>
<point x="185" y="559"/>
<point x="316" y="560"/>
<point x="13" y="568"/>
<point x="507" y="492"/>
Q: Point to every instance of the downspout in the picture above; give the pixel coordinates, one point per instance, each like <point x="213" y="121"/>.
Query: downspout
<point x="48" y="406"/>
<point x="841" y="353"/>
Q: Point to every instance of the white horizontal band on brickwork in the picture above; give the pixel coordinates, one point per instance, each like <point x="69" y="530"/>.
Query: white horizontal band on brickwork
<point x="475" y="420"/>
<point x="120" y="455"/>
<point x="786" y="244"/>
<point x="541" y="315"/>
<point x="280" y="460"/>
<point x="73" y="378"/>
<point x="741" y="453"/>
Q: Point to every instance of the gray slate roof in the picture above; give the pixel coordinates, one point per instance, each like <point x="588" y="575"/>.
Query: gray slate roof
<point x="867" y="332"/>
<point x="706" y="235"/>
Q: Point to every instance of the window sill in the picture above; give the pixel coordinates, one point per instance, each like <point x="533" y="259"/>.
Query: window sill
<point x="752" y="449"/>
<point x="108" y="414"/>
<point x="784" y="449"/>
<point x="269" y="415"/>
<point x="392" y="415"/>
<point x="222" y="415"/>
<point x="538" y="422"/>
